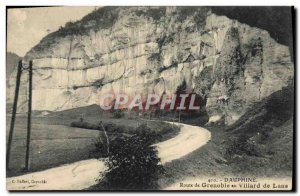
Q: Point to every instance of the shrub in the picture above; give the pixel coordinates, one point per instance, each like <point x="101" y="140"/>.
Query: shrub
<point x="80" y="124"/>
<point x="100" y="150"/>
<point x="145" y="133"/>
<point x="84" y="125"/>
<point x="132" y="164"/>
<point x="156" y="14"/>
<point x="166" y="130"/>
<point x="113" y="128"/>
<point x="118" y="114"/>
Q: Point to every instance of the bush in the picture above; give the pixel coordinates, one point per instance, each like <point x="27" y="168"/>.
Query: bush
<point x="100" y="150"/>
<point x="100" y="142"/>
<point x="113" y="128"/>
<point x="132" y="164"/>
<point x="84" y="125"/>
<point x="145" y="133"/>
<point x="166" y="130"/>
<point x="241" y="146"/>
<point x="118" y="114"/>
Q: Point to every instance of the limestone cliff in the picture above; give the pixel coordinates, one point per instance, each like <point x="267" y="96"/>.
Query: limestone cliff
<point x="141" y="50"/>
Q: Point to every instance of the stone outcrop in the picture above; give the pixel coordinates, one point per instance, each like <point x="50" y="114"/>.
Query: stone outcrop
<point x="141" y="50"/>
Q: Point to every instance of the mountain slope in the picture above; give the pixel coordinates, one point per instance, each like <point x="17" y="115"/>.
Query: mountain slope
<point x="143" y="50"/>
<point x="12" y="60"/>
<point x="261" y="141"/>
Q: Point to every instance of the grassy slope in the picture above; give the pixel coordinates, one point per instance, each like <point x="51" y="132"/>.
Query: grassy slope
<point x="270" y="154"/>
<point x="261" y="142"/>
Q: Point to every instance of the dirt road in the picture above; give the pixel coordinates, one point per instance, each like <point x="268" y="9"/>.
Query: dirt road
<point x="189" y="139"/>
<point x="83" y="174"/>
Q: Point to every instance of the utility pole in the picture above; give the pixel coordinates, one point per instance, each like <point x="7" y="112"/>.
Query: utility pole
<point x="29" y="116"/>
<point x="106" y="136"/>
<point x="13" y="116"/>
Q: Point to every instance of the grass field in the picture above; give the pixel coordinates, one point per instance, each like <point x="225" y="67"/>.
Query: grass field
<point x="54" y="142"/>
<point x="51" y="145"/>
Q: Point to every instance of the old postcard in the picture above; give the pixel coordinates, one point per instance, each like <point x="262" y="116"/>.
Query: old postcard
<point x="144" y="98"/>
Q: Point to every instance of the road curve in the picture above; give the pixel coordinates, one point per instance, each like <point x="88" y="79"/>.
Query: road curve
<point x="83" y="174"/>
<point x="189" y="139"/>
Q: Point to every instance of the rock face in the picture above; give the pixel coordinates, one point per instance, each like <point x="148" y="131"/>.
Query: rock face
<point x="141" y="50"/>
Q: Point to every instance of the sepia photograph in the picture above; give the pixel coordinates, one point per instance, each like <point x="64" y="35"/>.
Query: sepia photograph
<point x="150" y="98"/>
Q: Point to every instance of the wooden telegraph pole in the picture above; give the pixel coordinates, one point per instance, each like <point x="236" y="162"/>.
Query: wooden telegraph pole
<point x="29" y="116"/>
<point x="14" y="111"/>
<point x="13" y="116"/>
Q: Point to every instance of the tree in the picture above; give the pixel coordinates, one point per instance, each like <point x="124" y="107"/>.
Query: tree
<point x="132" y="163"/>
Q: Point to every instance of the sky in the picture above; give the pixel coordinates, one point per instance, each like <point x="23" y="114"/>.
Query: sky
<point x="27" y="26"/>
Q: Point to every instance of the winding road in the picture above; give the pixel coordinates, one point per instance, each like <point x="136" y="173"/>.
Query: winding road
<point x="83" y="174"/>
